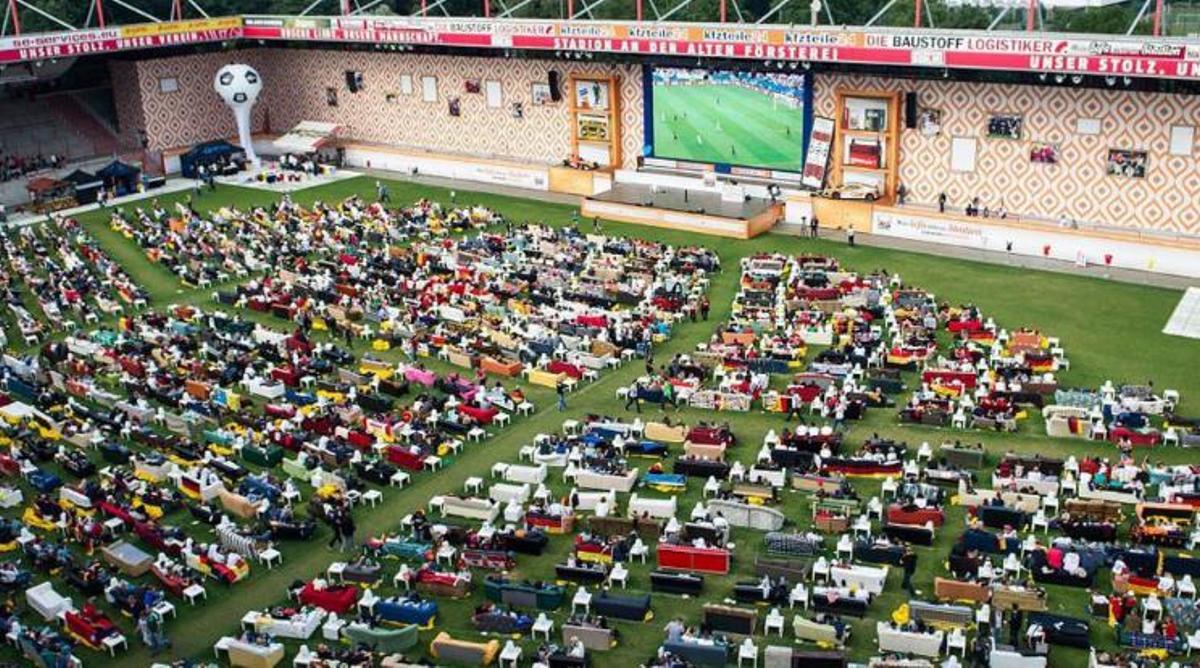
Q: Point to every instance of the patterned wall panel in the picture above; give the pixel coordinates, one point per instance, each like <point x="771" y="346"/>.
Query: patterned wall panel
<point x="295" y="85"/>
<point x="1076" y="187"/>
<point x="127" y="99"/>
<point x="194" y="113"/>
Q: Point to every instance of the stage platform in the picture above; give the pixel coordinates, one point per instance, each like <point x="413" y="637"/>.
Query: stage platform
<point x="250" y="179"/>
<point x="687" y="210"/>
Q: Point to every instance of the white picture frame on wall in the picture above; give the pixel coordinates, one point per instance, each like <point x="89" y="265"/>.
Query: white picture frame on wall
<point x="494" y="93"/>
<point x="1183" y="138"/>
<point x="168" y="85"/>
<point x="429" y="89"/>
<point x="962" y="154"/>
<point x="1087" y="126"/>
<point x="406" y="84"/>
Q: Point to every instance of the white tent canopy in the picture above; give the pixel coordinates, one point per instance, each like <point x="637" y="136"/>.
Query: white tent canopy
<point x="306" y="137"/>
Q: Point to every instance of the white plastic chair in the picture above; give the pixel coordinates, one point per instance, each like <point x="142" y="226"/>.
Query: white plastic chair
<point x="775" y="621"/>
<point x="748" y="651"/>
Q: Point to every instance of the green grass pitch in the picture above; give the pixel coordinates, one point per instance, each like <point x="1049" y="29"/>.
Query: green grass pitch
<point x="727" y="124"/>
<point x="1110" y="330"/>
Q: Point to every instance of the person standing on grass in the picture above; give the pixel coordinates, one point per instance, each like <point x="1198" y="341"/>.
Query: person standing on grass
<point x="631" y="397"/>
<point x="1015" y="619"/>
<point x="669" y="396"/>
<point x="794" y="406"/>
<point x="560" y="388"/>
<point x="335" y="523"/>
<point x="346" y="530"/>
<point x="705" y="306"/>
<point x="850" y="236"/>
<point x="909" y="562"/>
<point x="812" y="228"/>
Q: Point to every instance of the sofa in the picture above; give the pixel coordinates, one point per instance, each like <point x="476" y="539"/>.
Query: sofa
<point x="238" y="505"/>
<point x="715" y="452"/>
<point x="657" y="431"/>
<point x="962" y="457"/>
<point x="793" y="570"/>
<point x="659" y="509"/>
<point x="501" y="367"/>
<point x="676" y="583"/>
<point x="337" y="599"/>
<point x="775" y="656"/>
<point x="647" y="529"/>
<point x="1066" y="421"/>
<point x="382" y="638"/>
<point x="446" y="649"/>
<point x="748" y="515"/>
<point x="47" y="602"/>
<point x="936" y="614"/>
<point x="606" y="481"/>
<point x="471" y="508"/>
<point x="522" y="595"/>
<point x="546" y="378"/>
<point x="955" y="590"/>
<point x="731" y="620"/>
<point x="248" y="655"/>
<point x="1029" y="600"/>
<point x="299" y="626"/>
<point x="687" y="558"/>
<point x="905" y="642"/>
<point x="592" y="637"/>
<point x="631" y="607"/>
<point x="533" y="475"/>
<point x="696" y="653"/>
<point x="807" y="629"/>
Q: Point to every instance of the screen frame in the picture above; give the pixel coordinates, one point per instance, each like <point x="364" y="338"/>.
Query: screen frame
<point x="648" y="148"/>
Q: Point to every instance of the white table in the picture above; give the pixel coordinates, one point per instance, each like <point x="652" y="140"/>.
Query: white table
<point x="335" y="571"/>
<point x="194" y="592"/>
<point x="269" y="557"/>
<point x="474" y="485"/>
<point x="510" y="656"/>
<point x="432" y="463"/>
<point x="332" y="628"/>
<point x="112" y="642"/>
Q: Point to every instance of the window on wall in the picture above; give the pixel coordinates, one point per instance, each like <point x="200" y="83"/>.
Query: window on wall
<point x="429" y="89"/>
<point x="1182" y="139"/>
<point x="168" y="84"/>
<point x="493" y="93"/>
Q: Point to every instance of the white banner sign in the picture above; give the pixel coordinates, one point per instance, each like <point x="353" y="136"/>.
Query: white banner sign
<point x="816" y="163"/>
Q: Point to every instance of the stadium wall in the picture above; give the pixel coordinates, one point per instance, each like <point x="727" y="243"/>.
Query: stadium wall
<point x="295" y="84"/>
<point x="1076" y="187"/>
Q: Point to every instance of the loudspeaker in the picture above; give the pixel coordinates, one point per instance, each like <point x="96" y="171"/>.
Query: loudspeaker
<point x="555" y="93"/>
<point x="351" y="82"/>
<point x="910" y="110"/>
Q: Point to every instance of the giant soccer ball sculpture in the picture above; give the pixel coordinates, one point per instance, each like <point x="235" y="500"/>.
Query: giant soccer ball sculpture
<point x="239" y="86"/>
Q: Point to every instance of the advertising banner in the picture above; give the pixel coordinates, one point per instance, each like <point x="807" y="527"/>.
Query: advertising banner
<point x="816" y="163"/>
<point x="1108" y="56"/>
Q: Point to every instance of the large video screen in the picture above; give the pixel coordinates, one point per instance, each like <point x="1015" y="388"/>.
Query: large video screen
<point x="752" y="119"/>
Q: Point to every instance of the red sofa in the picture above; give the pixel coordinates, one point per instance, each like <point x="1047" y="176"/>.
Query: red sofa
<point x="334" y="598"/>
<point x="558" y="366"/>
<point x="687" y="558"/>
<point x="480" y="415"/>
<point x="897" y="514"/>
<point x="404" y="459"/>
